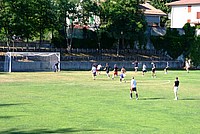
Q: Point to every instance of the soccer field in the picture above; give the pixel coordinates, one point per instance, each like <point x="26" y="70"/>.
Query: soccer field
<point x="72" y="102"/>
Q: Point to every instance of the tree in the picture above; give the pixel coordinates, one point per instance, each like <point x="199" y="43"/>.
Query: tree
<point x="175" y="44"/>
<point x="171" y="43"/>
<point x="31" y="19"/>
<point x="66" y="9"/>
<point x="195" y="52"/>
<point x="88" y="9"/>
<point x="6" y="20"/>
<point x="45" y="16"/>
<point x="123" y="20"/>
<point x="188" y="38"/>
<point x="24" y="21"/>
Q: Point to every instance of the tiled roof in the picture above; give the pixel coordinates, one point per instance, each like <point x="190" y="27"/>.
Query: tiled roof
<point x="184" y="2"/>
<point x="150" y="10"/>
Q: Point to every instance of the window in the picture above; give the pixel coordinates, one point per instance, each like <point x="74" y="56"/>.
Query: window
<point x="189" y="9"/>
<point x="198" y="15"/>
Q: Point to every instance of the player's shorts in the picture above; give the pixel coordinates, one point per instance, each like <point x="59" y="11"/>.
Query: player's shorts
<point x="134" y="89"/>
<point x="153" y="70"/>
<point x="187" y="66"/>
<point x="175" y="89"/>
<point x="94" y="74"/>
<point x="115" y="73"/>
<point x="144" y="71"/>
<point x="121" y="76"/>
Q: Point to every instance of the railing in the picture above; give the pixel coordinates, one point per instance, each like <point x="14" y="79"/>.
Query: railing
<point x="112" y="58"/>
<point x="91" y="54"/>
<point x="25" y="47"/>
<point x="111" y="55"/>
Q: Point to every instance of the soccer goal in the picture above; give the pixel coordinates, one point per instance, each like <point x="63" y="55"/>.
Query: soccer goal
<point x="30" y="61"/>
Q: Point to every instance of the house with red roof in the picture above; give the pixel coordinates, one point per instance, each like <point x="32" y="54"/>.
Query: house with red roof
<point x="152" y="14"/>
<point x="184" y="11"/>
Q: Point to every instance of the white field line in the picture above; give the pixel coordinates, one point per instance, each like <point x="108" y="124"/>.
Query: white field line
<point x="152" y="82"/>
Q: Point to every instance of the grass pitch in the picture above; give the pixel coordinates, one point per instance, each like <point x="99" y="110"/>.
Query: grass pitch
<point x="72" y="102"/>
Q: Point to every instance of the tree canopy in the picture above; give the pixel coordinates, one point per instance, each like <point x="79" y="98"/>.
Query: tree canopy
<point x="120" y="22"/>
<point x="123" y="19"/>
<point x="30" y="19"/>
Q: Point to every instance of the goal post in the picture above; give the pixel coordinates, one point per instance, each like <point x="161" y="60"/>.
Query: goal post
<point x="30" y="61"/>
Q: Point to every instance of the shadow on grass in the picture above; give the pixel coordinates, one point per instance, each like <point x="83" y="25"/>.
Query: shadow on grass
<point x="190" y="99"/>
<point x="11" y="104"/>
<point x="6" y="117"/>
<point x="3" y="73"/>
<point x="46" y="131"/>
<point x="151" y="98"/>
<point x="9" y="117"/>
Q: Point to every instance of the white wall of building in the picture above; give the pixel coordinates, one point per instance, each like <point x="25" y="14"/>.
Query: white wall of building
<point x="180" y="15"/>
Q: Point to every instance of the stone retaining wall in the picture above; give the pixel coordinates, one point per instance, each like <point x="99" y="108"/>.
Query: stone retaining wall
<point x="86" y="65"/>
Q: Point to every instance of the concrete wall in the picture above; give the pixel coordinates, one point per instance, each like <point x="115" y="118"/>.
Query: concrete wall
<point x="86" y="65"/>
<point x="1" y="66"/>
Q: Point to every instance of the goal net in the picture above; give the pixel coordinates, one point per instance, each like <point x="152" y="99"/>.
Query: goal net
<point x="30" y="61"/>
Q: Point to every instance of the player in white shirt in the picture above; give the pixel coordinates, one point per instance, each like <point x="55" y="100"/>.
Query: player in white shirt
<point x="94" y="71"/>
<point x="133" y="88"/>
<point x="99" y="69"/>
<point x="187" y="65"/>
<point x="144" y="69"/>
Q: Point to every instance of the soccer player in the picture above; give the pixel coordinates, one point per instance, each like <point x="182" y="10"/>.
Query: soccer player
<point x="187" y="65"/>
<point x="56" y="68"/>
<point x="122" y="75"/>
<point x="99" y="69"/>
<point x="107" y="68"/>
<point x="133" y="88"/>
<point x="115" y="71"/>
<point x="166" y="68"/>
<point x="94" y="71"/>
<point x="176" y="85"/>
<point x="144" y="69"/>
<point x="153" y="69"/>
<point x="135" y="65"/>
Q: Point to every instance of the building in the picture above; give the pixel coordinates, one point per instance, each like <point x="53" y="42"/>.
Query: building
<point x="152" y="14"/>
<point x="184" y="11"/>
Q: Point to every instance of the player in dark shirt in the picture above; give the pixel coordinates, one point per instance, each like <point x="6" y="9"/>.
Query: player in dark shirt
<point x="135" y="65"/>
<point x="176" y="85"/>
<point x="56" y="67"/>
<point x="153" y="69"/>
<point x="107" y="68"/>
<point x="166" y="68"/>
<point x="115" y="71"/>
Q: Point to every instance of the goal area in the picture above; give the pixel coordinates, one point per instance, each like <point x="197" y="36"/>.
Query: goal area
<point x="30" y="61"/>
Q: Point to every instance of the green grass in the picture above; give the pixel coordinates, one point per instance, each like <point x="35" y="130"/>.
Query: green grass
<point x="72" y="102"/>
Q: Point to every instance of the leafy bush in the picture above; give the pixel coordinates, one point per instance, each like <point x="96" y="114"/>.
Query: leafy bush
<point x="195" y="52"/>
<point x="175" y="44"/>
